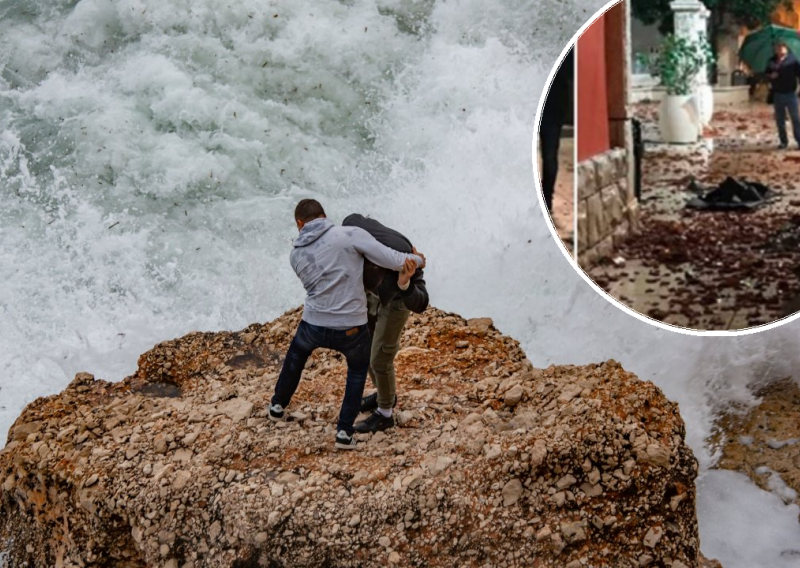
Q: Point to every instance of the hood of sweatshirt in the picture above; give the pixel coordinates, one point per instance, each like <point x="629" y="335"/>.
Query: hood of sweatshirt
<point x="312" y="231"/>
<point x="383" y="234"/>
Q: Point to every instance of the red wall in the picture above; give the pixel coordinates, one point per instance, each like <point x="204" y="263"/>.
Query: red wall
<point x="592" y="129"/>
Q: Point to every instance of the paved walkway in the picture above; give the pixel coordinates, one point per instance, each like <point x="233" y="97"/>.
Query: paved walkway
<point x="712" y="270"/>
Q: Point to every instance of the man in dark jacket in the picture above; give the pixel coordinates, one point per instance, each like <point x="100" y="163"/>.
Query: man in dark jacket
<point x="554" y="115"/>
<point x="783" y="71"/>
<point x="391" y="299"/>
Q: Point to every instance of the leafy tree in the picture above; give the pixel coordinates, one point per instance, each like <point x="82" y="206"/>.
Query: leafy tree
<point x="653" y="12"/>
<point x="750" y="13"/>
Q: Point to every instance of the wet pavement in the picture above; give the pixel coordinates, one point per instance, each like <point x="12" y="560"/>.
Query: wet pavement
<point x="712" y="269"/>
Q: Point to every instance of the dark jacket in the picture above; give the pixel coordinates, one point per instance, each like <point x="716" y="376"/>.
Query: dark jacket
<point x="383" y="282"/>
<point x="788" y="72"/>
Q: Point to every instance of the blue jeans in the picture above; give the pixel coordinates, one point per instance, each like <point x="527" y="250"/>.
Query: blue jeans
<point x="783" y="102"/>
<point x="354" y="344"/>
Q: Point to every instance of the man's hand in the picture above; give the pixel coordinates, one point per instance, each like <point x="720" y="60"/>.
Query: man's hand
<point x="773" y="75"/>
<point x="422" y="256"/>
<point x="409" y="268"/>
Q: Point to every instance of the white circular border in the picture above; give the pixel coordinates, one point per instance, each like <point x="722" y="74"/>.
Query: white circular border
<point x="573" y="261"/>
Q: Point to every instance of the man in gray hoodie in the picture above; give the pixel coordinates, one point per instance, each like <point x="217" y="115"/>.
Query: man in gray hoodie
<point x="329" y="261"/>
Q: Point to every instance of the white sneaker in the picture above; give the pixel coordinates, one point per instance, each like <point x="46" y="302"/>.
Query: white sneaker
<point x="344" y="441"/>
<point x="276" y="412"/>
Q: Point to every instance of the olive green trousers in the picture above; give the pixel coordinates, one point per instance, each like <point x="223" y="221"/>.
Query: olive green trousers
<point x="389" y="321"/>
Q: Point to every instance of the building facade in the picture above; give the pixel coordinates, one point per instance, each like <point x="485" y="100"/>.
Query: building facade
<point x="607" y="206"/>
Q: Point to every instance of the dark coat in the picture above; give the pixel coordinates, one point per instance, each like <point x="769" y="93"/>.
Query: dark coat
<point x="556" y="105"/>
<point x="383" y="282"/>
<point x="788" y="72"/>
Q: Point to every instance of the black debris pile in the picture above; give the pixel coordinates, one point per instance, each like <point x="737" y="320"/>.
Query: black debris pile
<point x="731" y="194"/>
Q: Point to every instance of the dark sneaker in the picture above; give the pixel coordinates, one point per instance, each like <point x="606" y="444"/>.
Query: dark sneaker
<point x="376" y="422"/>
<point x="370" y="403"/>
<point x="783" y="146"/>
<point x="275" y="412"/>
<point x="345" y="441"/>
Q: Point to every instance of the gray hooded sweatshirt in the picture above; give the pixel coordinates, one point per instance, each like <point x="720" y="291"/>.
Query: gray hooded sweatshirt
<point x="329" y="261"/>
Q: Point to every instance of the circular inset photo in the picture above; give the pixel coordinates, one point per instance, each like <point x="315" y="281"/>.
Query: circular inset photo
<point x="686" y="160"/>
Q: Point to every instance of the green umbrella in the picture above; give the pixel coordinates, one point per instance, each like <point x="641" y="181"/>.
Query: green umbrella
<point x="758" y="46"/>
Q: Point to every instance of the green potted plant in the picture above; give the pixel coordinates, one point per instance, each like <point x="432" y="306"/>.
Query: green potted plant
<point x="677" y="65"/>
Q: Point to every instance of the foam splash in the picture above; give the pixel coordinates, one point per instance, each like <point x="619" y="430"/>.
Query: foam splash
<point x="777" y="485"/>
<point x="741" y="525"/>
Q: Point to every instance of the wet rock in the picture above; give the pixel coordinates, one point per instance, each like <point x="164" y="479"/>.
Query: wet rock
<point x="763" y="442"/>
<point x="574" y="532"/>
<point x="404" y="417"/>
<point x="568" y="393"/>
<point x="182" y="479"/>
<point x="565" y="482"/>
<point x="653" y="536"/>
<point x="22" y="431"/>
<point x="514" y="396"/>
<point x="655" y="454"/>
<point x="481" y="325"/>
<point x="573" y="473"/>
<point x="236" y="409"/>
<point x="512" y="491"/>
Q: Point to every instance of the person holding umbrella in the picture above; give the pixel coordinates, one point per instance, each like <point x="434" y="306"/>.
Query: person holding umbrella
<point x="783" y="70"/>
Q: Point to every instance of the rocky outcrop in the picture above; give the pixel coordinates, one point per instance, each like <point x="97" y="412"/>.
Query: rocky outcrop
<point x="764" y="442"/>
<point x="494" y="462"/>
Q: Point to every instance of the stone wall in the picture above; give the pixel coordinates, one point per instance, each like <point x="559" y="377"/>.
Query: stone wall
<point x="607" y="207"/>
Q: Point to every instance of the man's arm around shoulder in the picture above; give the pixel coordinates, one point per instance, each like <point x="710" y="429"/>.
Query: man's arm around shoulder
<point x="379" y="254"/>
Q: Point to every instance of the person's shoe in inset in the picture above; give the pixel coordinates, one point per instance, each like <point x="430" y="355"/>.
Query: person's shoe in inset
<point x="276" y="412"/>
<point x="344" y="441"/>
<point x="376" y="422"/>
<point x="783" y="146"/>
<point x="369" y="403"/>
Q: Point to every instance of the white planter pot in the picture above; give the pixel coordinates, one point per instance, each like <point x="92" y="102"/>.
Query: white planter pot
<point x="679" y="119"/>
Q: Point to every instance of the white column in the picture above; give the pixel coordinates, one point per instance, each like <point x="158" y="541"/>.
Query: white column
<point x="691" y="22"/>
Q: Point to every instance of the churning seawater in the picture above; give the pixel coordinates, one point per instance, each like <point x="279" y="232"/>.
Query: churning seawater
<point x="152" y="151"/>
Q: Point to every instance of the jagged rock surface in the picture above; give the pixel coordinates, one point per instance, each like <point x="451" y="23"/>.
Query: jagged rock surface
<point x="495" y="463"/>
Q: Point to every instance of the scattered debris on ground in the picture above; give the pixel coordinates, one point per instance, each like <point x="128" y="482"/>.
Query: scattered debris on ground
<point x="703" y="269"/>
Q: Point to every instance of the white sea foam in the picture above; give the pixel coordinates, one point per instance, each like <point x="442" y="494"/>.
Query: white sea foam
<point x="151" y="153"/>
<point x="778" y="444"/>
<point x="741" y="525"/>
<point x="777" y="485"/>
